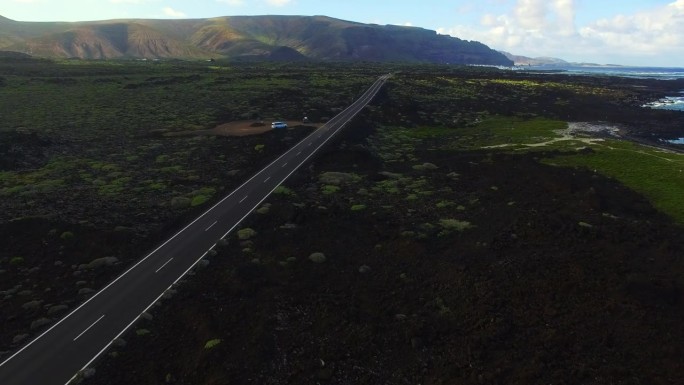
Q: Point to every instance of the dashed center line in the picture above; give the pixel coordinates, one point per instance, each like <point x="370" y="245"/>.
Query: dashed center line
<point x="267" y="179"/>
<point x="89" y="327"/>
<point x="212" y="225"/>
<point x="310" y="144"/>
<point x="243" y="199"/>
<point x="164" y="265"/>
<point x="284" y="165"/>
<point x="300" y="153"/>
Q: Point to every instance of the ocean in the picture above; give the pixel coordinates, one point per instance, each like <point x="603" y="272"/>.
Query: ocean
<point x="663" y="73"/>
<point x="672" y="102"/>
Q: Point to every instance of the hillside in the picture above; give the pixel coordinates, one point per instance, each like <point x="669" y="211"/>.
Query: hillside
<point x="520" y="60"/>
<point x="242" y="37"/>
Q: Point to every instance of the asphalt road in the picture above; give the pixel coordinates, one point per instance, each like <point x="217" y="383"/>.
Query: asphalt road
<point x="73" y="343"/>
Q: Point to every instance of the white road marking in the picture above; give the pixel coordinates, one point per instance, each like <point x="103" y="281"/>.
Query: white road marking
<point x="123" y="330"/>
<point x="267" y="179"/>
<point x="89" y="327"/>
<point x="243" y="199"/>
<point x="300" y="153"/>
<point x="310" y="144"/>
<point x="285" y="164"/>
<point x="212" y="225"/>
<point x="192" y="266"/>
<point x="163" y="266"/>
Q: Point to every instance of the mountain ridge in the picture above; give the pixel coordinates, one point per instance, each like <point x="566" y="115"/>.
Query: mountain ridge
<point x="273" y="37"/>
<point x="520" y="60"/>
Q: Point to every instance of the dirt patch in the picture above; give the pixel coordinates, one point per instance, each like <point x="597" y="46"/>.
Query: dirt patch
<point x="592" y="128"/>
<point x="250" y="127"/>
<point x="243" y="128"/>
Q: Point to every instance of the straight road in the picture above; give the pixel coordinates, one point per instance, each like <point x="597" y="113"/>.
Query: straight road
<point x="73" y="343"/>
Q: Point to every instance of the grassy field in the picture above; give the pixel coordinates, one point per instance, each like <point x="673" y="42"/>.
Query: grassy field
<point x="656" y="173"/>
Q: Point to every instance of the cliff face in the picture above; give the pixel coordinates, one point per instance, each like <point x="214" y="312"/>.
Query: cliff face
<point x="257" y="37"/>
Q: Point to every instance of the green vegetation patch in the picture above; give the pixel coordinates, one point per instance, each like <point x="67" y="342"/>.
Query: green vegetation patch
<point x="246" y="233"/>
<point x="67" y="235"/>
<point x="656" y="174"/>
<point x="358" y="207"/>
<point x="510" y="131"/>
<point x="454" y="225"/>
<point x="282" y="190"/>
<point x="199" y="200"/>
<point x="329" y="189"/>
<point x="212" y="343"/>
<point x="16" y="261"/>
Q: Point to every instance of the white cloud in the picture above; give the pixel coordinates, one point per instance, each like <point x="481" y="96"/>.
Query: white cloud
<point x="565" y="16"/>
<point x="128" y="1"/>
<point x="232" y="3"/>
<point x="170" y="12"/>
<point x="531" y="14"/>
<point x="549" y="28"/>
<point x="272" y="3"/>
<point x="651" y="32"/>
<point x="278" y="3"/>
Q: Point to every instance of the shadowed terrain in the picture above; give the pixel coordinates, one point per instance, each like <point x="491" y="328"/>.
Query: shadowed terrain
<point x="279" y="38"/>
<point x="472" y="226"/>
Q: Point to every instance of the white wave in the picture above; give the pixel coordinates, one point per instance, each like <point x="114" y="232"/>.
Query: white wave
<point x="668" y="103"/>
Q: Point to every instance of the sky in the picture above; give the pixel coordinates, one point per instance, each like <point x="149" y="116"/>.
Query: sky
<point x="628" y="32"/>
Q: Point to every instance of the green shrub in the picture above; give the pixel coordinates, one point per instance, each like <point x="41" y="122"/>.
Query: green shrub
<point x="425" y="167"/>
<point x="282" y="190"/>
<point x="16" y="261"/>
<point x="358" y="207"/>
<point x="329" y="189"/>
<point x="198" y="200"/>
<point x="209" y="191"/>
<point x="387" y="187"/>
<point x="156" y="186"/>
<point x="212" y="343"/>
<point x="246" y="233"/>
<point x="317" y="257"/>
<point x="454" y="224"/>
<point x="67" y="235"/>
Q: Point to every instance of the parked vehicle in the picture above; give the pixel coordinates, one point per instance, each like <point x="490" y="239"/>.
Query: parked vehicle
<point x="278" y="125"/>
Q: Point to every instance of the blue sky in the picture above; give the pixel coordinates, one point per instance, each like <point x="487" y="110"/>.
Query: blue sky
<point x="631" y="32"/>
